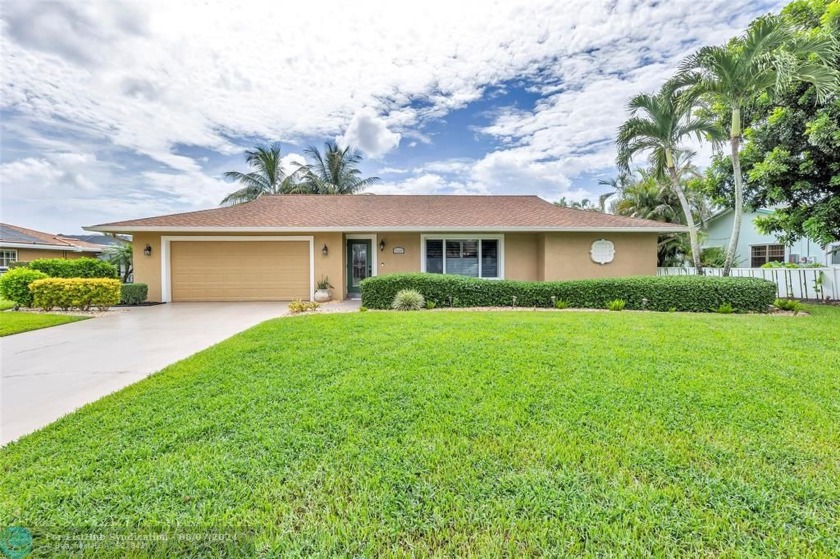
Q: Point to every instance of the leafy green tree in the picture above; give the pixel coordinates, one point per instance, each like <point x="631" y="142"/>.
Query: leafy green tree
<point x="766" y="60"/>
<point x="658" y="126"/>
<point x="335" y="171"/>
<point x="265" y="177"/>
<point x="791" y="155"/>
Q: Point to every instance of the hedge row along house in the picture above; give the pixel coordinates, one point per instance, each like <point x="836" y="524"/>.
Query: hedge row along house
<point x="277" y="247"/>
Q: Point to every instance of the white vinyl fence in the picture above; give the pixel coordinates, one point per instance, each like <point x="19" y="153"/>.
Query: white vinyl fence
<point x="797" y="283"/>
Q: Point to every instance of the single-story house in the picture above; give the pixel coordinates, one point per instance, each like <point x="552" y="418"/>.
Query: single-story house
<point x="19" y="244"/>
<point x="277" y="247"/>
<point x="756" y="248"/>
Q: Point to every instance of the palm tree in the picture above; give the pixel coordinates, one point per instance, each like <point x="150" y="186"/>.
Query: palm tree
<point x="644" y="197"/>
<point x="616" y="185"/>
<point x="334" y="172"/>
<point x="766" y="60"/>
<point x="266" y="176"/>
<point x="121" y="256"/>
<point x="658" y="124"/>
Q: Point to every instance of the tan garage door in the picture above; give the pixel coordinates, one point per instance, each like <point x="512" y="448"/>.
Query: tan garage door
<point x="239" y="270"/>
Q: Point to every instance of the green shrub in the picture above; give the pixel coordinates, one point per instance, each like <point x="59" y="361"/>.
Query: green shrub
<point x="75" y="293"/>
<point x="683" y="293"/>
<point x="299" y="306"/>
<point x="363" y="309"/>
<point x="18" y="264"/>
<point x="408" y="300"/>
<point x="430" y="304"/>
<point x="14" y="285"/>
<point x="561" y="304"/>
<point x="78" y="268"/>
<point x="133" y="293"/>
<point x="788" y="305"/>
<point x="725" y="308"/>
<point x="617" y="305"/>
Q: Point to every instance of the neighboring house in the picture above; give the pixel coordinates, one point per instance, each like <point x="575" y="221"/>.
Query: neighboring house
<point x="18" y="244"/>
<point x="275" y="248"/>
<point x="756" y="249"/>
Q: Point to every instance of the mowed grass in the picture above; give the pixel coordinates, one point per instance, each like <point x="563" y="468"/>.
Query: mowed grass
<point x="467" y="434"/>
<point x="17" y="322"/>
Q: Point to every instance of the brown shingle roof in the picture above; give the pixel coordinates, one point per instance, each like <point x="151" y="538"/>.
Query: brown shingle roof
<point x="17" y="235"/>
<point x="390" y="212"/>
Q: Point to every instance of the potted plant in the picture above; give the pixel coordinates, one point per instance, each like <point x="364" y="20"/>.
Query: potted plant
<point x="322" y="294"/>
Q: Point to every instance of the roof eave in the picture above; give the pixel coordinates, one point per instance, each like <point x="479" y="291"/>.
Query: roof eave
<point x="68" y="248"/>
<point x="401" y="229"/>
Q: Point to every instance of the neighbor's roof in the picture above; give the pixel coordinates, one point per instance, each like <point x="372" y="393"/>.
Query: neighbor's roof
<point x="301" y="212"/>
<point x="13" y="236"/>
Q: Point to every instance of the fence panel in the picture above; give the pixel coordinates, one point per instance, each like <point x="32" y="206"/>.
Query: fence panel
<point x="797" y="283"/>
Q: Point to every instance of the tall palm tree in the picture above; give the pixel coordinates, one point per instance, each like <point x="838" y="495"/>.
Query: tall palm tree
<point x="658" y="125"/>
<point x="266" y="176"/>
<point x="765" y="60"/>
<point x="334" y="171"/>
<point x="616" y="185"/>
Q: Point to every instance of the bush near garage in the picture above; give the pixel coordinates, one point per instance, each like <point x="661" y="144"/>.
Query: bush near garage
<point x="14" y="285"/>
<point x="656" y="293"/>
<point x="75" y="293"/>
<point x="77" y="268"/>
<point x="133" y="293"/>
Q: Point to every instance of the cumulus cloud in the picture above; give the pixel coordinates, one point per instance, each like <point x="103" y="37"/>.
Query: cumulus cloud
<point x="144" y="81"/>
<point x="368" y="133"/>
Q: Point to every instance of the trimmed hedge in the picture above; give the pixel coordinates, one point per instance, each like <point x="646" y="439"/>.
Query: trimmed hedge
<point x="77" y="268"/>
<point x="14" y="285"/>
<point x="662" y="293"/>
<point x="133" y="293"/>
<point x="75" y="293"/>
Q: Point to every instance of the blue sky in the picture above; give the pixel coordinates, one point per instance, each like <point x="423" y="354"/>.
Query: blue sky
<point x="116" y="110"/>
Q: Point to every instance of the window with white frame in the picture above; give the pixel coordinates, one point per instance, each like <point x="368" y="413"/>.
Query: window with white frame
<point x="463" y="256"/>
<point x="7" y="256"/>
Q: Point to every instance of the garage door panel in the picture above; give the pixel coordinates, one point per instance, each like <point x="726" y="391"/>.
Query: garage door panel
<point x="239" y="270"/>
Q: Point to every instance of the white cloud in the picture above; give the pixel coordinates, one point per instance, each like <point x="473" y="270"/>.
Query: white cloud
<point x="368" y="133"/>
<point x="154" y="79"/>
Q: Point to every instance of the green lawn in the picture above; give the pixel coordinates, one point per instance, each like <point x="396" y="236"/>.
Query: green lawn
<point x="17" y="322"/>
<point x="466" y="434"/>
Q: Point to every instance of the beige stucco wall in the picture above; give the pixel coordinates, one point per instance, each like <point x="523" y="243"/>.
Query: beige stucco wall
<point x="390" y="263"/>
<point x="521" y="256"/>
<point x="528" y="256"/>
<point x="28" y="255"/>
<point x="566" y="255"/>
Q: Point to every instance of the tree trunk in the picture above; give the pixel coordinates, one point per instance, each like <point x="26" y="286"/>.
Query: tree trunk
<point x="689" y="219"/>
<point x="734" y="142"/>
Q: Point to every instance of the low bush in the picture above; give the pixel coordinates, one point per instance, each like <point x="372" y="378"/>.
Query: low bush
<point x="616" y="305"/>
<point x="408" y="300"/>
<point x="75" y="293"/>
<point x="561" y="304"/>
<point x="299" y="306"/>
<point x="655" y="293"/>
<point x="724" y="308"/>
<point x="430" y="304"/>
<point x="788" y="305"/>
<point x="133" y="293"/>
<point x="14" y="285"/>
<point x="77" y="268"/>
<point x="18" y="264"/>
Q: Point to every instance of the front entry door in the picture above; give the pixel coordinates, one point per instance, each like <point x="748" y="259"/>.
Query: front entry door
<point x="358" y="264"/>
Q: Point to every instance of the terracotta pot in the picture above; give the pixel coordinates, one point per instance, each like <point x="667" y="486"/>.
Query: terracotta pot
<point x="322" y="295"/>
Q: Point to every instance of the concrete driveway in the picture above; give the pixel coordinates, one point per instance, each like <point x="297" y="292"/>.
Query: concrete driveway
<point x="49" y="373"/>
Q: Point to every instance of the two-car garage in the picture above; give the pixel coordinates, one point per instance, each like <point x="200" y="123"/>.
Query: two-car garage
<point x="229" y="269"/>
